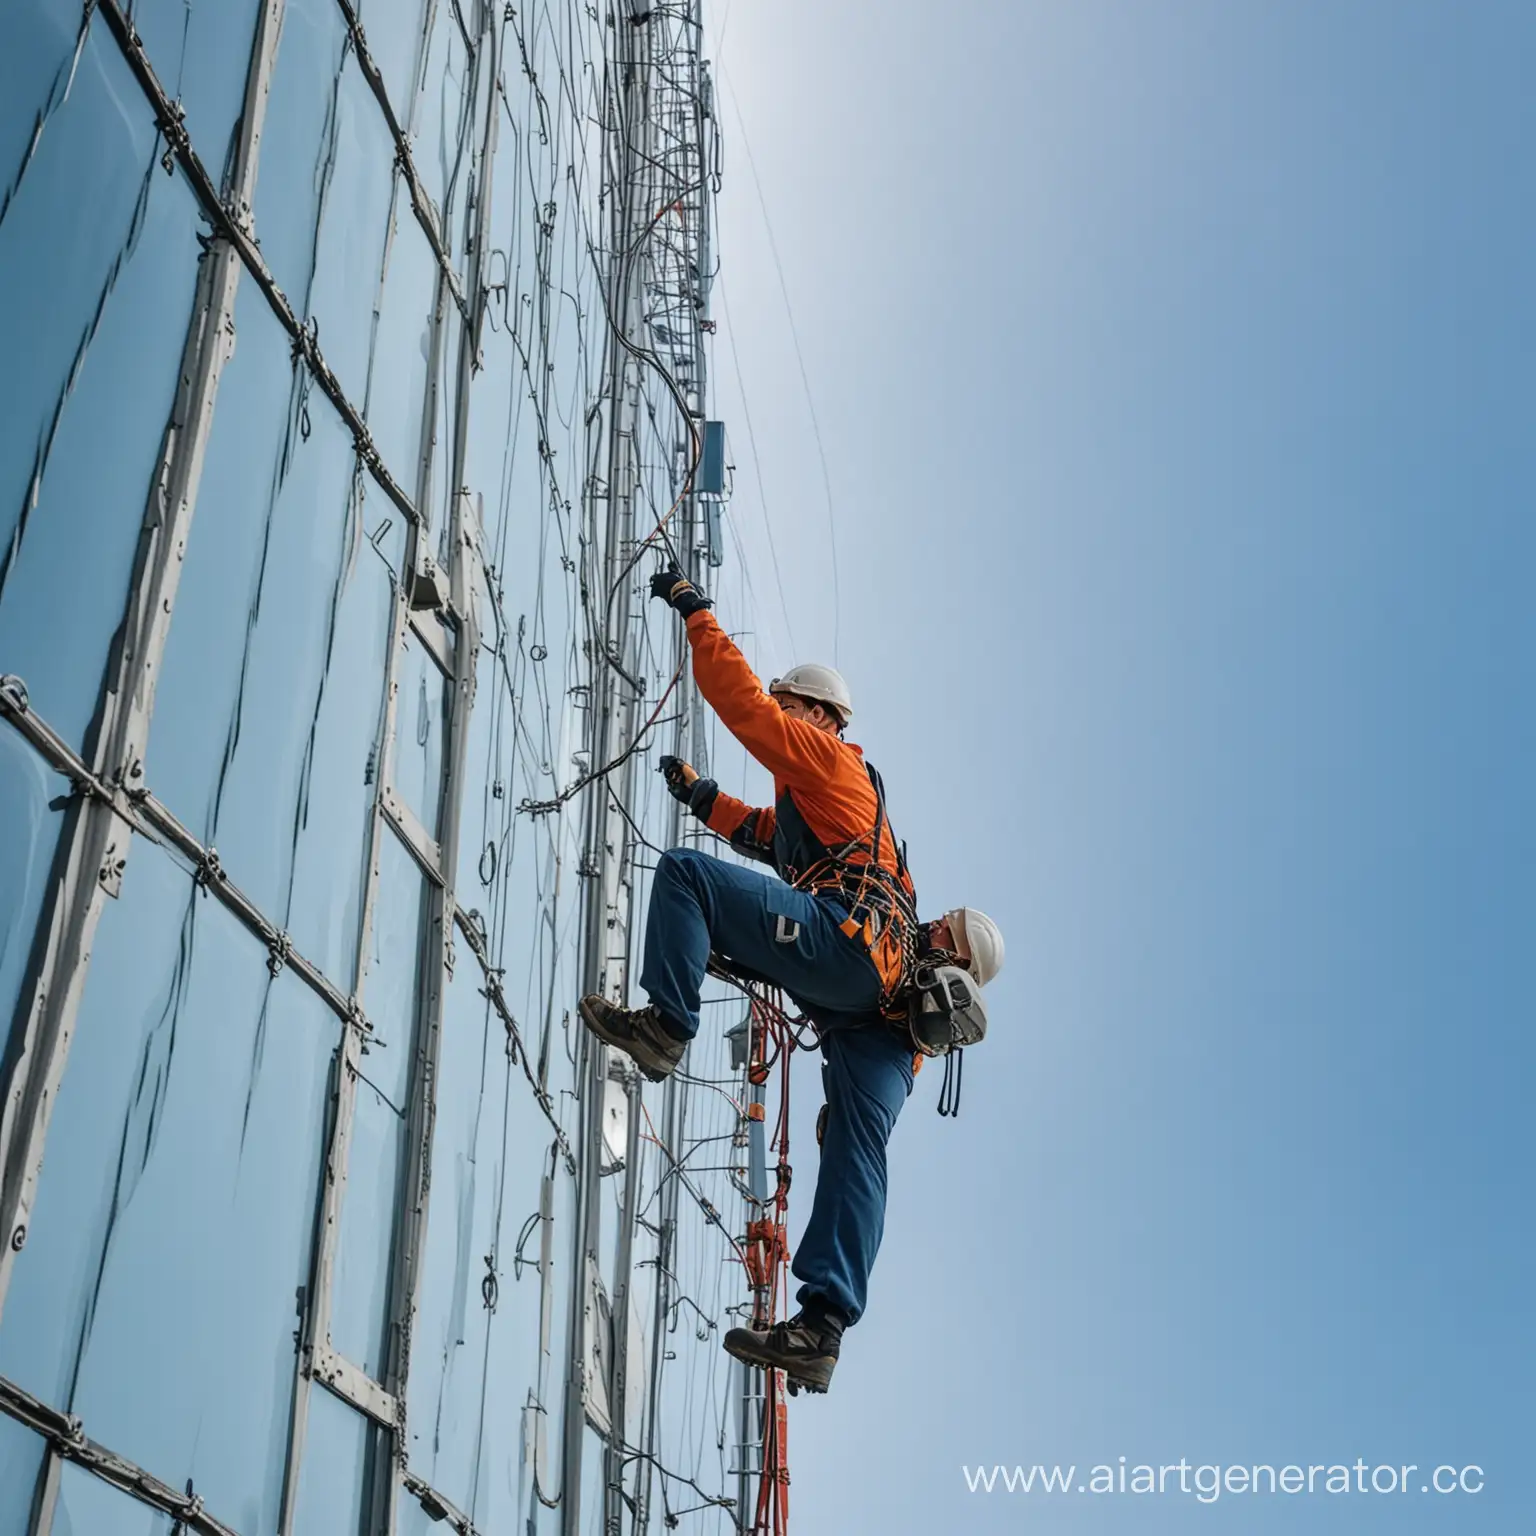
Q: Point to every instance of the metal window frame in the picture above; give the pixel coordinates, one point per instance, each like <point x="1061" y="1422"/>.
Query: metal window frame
<point x="67" y="1441"/>
<point x="91" y="850"/>
<point x="391" y="817"/>
<point x="455" y="655"/>
<point x="422" y="206"/>
<point x="111" y="805"/>
<point x="467" y="584"/>
<point x="235" y="225"/>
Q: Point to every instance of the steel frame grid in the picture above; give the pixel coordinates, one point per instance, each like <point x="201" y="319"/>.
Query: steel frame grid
<point x="610" y="730"/>
<point x="101" y="803"/>
<point x="456" y="643"/>
<point x="109" y="800"/>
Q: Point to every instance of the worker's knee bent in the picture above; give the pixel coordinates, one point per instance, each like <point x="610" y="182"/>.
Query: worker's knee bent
<point x="681" y="865"/>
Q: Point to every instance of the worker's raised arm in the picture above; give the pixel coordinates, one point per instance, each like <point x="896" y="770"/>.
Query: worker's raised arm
<point x="793" y="751"/>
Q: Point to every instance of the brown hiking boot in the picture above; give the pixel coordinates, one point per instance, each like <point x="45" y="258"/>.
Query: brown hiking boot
<point x="638" y="1032"/>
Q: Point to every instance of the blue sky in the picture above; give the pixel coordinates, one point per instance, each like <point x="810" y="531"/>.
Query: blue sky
<point x="1171" y="363"/>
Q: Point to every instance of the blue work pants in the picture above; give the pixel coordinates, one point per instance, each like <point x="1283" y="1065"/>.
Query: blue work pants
<point x="700" y="903"/>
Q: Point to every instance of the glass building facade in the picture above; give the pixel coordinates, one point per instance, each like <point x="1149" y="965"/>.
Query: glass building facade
<point x="356" y="383"/>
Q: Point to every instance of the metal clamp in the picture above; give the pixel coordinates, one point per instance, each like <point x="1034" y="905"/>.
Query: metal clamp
<point x="208" y="870"/>
<point x="279" y="947"/>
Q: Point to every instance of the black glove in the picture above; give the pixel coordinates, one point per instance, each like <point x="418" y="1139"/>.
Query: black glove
<point x="696" y="793"/>
<point x="678" y="786"/>
<point x="674" y="589"/>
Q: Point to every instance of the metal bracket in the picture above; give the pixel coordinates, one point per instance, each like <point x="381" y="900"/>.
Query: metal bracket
<point x="353" y="1385"/>
<point x="423" y="846"/>
<point x="428" y="585"/>
<point x="435" y="638"/>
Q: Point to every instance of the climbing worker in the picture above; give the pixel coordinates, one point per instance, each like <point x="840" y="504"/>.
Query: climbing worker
<point x="838" y="933"/>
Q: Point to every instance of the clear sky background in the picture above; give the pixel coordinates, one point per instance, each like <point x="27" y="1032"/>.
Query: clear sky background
<point x="1172" y="363"/>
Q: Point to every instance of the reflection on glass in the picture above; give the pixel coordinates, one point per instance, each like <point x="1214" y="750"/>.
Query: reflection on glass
<point x="27" y="785"/>
<point x="159" y="1291"/>
<point x="200" y="50"/>
<point x="340" y="1457"/>
<point x="104" y="247"/>
<point x="89" y="1507"/>
<point x="444" y="127"/>
<point x="421" y="716"/>
<point x="325" y="249"/>
<point x="364" y="1243"/>
<point x="21" y="1457"/>
<point x="461" y="1275"/>
<point x="174" y="1216"/>
<point x="397" y="378"/>
<point x="265" y="738"/>
<point x="298" y="143"/>
<point x="394" y="957"/>
<point x="41" y="44"/>
<point x="395" y="29"/>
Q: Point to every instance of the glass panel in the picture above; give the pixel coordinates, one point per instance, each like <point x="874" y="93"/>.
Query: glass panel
<point x="394" y="29"/>
<point x="104" y="246"/>
<point x="341" y="1458"/>
<point x="444" y="1400"/>
<point x="21" y="1459"/>
<point x="174" y="1217"/>
<point x="27" y="785"/>
<point x="89" y="1507"/>
<point x="444" y="134"/>
<point x="421" y="709"/>
<point x="394" y="958"/>
<point x="375" y="1162"/>
<point x="326" y="247"/>
<point x="298" y="144"/>
<point x="397" y="378"/>
<point x="270" y="705"/>
<point x="201" y="51"/>
<point x="514" y="1366"/>
<point x="37" y="67"/>
<point x="358" y="1315"/>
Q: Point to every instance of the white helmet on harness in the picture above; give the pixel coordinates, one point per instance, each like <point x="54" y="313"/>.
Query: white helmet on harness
<point x="981" y="937"/>
<point x="822" y="685"/>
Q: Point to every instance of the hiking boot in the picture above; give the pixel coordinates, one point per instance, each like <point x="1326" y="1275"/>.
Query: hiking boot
<point x="638" y="1032"/>
<point x="804" y="1350"/>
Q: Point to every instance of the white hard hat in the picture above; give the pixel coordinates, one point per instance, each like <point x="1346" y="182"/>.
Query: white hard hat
<point x="982" y="937"/>
<point x="823" y="685"/>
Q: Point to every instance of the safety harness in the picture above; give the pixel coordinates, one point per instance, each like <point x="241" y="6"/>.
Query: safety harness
<point x="881" y="903"/>
<point x="925" y="993"/>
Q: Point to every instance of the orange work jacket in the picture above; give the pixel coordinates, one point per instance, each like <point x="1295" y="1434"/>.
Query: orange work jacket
<point x="824" y="800"/>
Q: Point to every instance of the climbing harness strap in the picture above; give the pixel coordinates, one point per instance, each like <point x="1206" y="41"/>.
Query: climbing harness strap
<point x="881" y="903"/>
<point x="949" y="1089"/>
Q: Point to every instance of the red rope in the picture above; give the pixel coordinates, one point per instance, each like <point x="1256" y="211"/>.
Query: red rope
<point x="772" y="1043"/>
